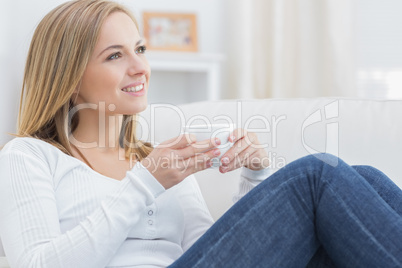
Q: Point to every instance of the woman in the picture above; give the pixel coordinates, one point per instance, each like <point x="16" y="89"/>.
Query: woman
<point x="71" y="197"/>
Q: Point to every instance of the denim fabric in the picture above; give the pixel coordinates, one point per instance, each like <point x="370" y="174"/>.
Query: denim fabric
<point x="312" y="214"/>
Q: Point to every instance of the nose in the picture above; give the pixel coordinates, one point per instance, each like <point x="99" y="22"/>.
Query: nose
<point x="138" y="65"/>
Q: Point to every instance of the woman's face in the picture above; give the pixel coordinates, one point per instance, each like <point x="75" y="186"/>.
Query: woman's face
<point x="117" y="74"/>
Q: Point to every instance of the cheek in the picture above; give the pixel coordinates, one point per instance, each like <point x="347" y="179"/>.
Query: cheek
<point x="101" y="82"/>
<point x="107" y="77"/>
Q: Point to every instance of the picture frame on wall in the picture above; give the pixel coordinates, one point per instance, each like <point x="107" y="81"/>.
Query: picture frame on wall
<point x="170" y="31"/>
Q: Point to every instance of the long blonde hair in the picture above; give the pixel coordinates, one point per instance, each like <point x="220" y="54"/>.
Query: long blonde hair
<point x="58" y="55"/>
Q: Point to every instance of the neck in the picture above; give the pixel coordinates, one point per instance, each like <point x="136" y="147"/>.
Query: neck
<point x="96" y="129"/>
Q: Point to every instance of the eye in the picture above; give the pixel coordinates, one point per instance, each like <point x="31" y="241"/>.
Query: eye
<point x="141" y="50"/>
<point x="114" y="56"/>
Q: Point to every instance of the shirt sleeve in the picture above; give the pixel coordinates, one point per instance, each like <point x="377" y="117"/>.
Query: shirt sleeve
<point x="250" y="179"/>
<point x="29" y="223"/>
<point x="197" y="218"/>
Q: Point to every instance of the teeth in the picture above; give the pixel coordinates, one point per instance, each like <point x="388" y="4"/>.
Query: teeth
<point x="134" y="89"/>
<point x="139" y="87"/>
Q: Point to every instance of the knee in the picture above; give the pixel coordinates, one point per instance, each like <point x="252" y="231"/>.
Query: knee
<point x="324" y="168"/>
<point x="364" y="169"/>
<point x="370" y="173"/>
<point x="321" y="160"/>
<point x="315" y="164"/>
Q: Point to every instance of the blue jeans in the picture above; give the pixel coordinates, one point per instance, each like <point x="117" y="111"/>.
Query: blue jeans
<point x="311" y="214"/>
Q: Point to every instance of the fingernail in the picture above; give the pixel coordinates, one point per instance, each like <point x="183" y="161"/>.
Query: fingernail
<point x="217" y="152"/>
<point x="217" y="141"/>
<point x="225" y="160"/>
<point x="224" y="169"/>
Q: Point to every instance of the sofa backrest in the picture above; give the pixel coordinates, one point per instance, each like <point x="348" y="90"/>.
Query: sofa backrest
<point x="365" y="132"/>
<point x="3" y="262"/>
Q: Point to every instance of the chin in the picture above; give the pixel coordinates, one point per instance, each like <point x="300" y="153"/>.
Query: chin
<point x="140" y="107"/>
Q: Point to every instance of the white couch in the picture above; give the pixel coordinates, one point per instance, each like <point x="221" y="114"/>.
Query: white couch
<point x="359" y="131"/>
<point x="363" y="132"/>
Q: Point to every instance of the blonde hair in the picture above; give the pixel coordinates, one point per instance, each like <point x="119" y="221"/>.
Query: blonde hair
<point x="58" y="55"/>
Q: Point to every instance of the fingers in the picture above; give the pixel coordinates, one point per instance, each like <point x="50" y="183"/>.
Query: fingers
<point x="199" y="162"/>
<point x="169" y="169"/>
<point x="239" y="154"/>
<point x="184" y="156"/>
<point x="198" y="147"/>
<point x="237" y="134"/>
<point x="180" y="141"/>
<point x="232" y="162"/>
<point x="188" y="156"/>
<point x="243" y="140"/>
<point x="240" y="133"/>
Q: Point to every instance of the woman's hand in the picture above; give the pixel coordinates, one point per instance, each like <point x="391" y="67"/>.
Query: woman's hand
<point x="245" y="152"/>
<point x="175" y="159"/>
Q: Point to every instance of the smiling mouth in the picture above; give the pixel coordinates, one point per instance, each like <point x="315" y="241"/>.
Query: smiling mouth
<point x="134" y="89"/>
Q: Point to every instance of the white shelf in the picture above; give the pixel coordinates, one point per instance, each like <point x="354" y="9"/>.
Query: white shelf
<point x="184" y="56"/>
<point x="200" y="72"/>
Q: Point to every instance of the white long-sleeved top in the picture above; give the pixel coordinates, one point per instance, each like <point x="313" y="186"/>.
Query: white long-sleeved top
<point x="55" y="211"/>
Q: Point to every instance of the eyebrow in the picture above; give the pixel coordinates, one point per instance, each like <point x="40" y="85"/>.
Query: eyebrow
<point x="118" y="47"/>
